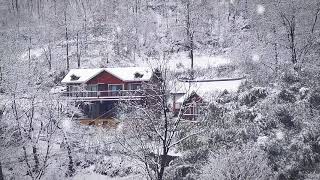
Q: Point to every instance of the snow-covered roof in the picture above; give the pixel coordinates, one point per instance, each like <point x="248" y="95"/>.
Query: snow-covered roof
<point x="207" y="86"/>
<point x="128" y="73"/>
<point x="203" y="89"/>
<point x="124" y="73"/>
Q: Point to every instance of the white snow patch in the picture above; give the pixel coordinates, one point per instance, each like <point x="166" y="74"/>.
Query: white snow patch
<point x="202" y="88"/>
<point x="182" y="90"/>
<point x="262" y="140"/>
<point x="83" y="75"/>
<point x="279" y="135"/>
<point x="255" y="57"/>
<point x="119" y="29"/>
<point x="67" y="124"/>
<point x="199" y="62"/>
<point x="58" y="89"/>
<point x="128" y="73"/>
<point x="181" y="61"/>
<point x="260" y="9"/>
<point x="172" y="152"/>
<point x="303" y="91"/>
<point x="3" y="101"/>
<point x="123" y="73"/>
<point x="258" y="117"/>
<point x="34" y="53"/>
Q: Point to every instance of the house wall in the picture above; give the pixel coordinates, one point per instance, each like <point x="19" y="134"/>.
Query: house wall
<point x="192" y="108"/>
<point x="105" y="78"/>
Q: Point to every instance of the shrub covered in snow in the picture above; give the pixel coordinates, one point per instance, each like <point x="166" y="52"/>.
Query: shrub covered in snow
<point x="115" y="166"/>
<point x="315" y="99"/>
<point x="248" y="162"/>
<point x="251" y="97"/>
<point x="286" y="96"/>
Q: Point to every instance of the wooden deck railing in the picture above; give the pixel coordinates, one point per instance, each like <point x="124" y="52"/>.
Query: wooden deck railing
<point x="104" y="94"/>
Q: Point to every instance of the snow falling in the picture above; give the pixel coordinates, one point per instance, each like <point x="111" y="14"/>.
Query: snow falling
<point x="159" y="90"/>
<point x="260" y="9"/>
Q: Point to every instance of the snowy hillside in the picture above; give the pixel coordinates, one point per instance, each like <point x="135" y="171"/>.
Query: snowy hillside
<point x="159" y="89"/>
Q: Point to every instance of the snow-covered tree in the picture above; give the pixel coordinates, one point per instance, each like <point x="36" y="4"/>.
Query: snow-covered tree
<point x="150" y="132"/>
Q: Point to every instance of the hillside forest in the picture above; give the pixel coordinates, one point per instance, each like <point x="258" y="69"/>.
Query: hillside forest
<point x="268" y="129"/>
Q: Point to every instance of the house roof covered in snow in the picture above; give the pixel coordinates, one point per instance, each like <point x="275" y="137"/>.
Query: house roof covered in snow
<point x="204" y="89"/>
<point x="124" y="73"/>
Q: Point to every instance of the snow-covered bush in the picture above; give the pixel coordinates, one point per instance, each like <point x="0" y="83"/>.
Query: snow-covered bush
<point x="285" y="117"/>
<point x="315" y="99"/>
<point x="290" y="78"/>
<point x="115" y="166"/>
<point x="251" y="97"/>
<point x="248" y="162"/>
<point x="286" y="96"/>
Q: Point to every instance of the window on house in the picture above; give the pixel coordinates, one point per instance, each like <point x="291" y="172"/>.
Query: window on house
<point x="135" y="86"/>
<point x="73" y="90"/>
<point x="92" y="90"/>
<point x="115" y="89"/>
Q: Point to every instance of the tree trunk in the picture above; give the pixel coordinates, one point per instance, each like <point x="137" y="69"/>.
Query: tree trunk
<point x="50" y="57"/>
<point x="85" y="26"/>
<point x="78" y="54"/>
<point x="1" y="174"/>
<point x="191" y="52"/>
<point x="190" y="39"/>
<point x="1" y="76"/>
<point x="66" y="36"/>
<point x="163" y="158"/>
<point x="276" y="53"/>
<point x="55" y="7"/>
<point x="162" y="166"/>
<point x="292" y="45"/>
<point x="29" y="53"/>
<point x="36" y="159"/>
<point x="17" y="6"/>
<point x="71" y="169"/>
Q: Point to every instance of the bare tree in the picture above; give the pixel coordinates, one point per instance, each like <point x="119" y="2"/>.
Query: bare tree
<point x="151" y="132"/>
<point x="36" y="131"/>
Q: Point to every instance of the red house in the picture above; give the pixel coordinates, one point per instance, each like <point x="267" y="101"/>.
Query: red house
<point x="103" y="87"/>
<point x="98" y="91"/>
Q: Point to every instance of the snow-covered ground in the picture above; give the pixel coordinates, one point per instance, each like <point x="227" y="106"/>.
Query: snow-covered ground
<point x="200" y="61"/>
<point x="34" y="53"/>
<point x="181" y="61"/>
<point x="95" y="176"/>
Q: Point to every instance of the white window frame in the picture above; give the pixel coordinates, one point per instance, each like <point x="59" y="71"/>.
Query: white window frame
<point x="115" y="85"/>
<point x="134" y="83"/>
<point x="92" y="85"/>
